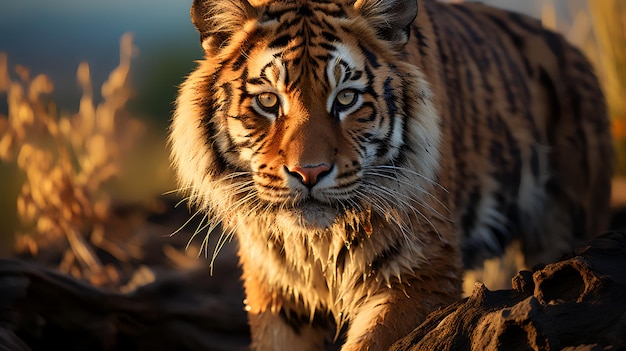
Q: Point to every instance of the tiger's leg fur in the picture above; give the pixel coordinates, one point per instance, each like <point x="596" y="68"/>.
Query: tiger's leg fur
<point x="274" y="328"/>
<point x="393" y="313"/>
<point x="269" y="330"/>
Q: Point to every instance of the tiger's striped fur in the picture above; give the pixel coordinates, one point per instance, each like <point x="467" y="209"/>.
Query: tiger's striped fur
<point x="364" y="151"/>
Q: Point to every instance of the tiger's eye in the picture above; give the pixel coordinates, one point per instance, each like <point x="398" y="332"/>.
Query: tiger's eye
<point x="267" y="100"/>
<point x="346" y="97"/>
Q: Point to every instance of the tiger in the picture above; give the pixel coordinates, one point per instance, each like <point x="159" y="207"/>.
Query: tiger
<point x="364" y="153"/>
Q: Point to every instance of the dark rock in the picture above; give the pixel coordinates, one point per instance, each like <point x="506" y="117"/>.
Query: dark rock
<point x="578" y="303"/>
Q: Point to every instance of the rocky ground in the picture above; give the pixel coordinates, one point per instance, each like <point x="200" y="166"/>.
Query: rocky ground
<point x="166" y="299"/>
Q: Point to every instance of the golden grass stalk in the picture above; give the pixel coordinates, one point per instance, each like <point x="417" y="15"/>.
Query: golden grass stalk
<point x="66" y="158"/>
<point x="609" y="27"/>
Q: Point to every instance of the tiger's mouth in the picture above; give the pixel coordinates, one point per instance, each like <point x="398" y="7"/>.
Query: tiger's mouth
<point x="310" y="214"/>
<point x="314" y="206"/>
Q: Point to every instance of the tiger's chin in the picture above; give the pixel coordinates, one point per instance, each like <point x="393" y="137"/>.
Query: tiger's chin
<point x="309" y="215"/>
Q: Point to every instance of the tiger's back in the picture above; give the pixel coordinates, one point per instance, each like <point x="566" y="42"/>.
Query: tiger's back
<point x="530" y="145"/>
<point x="364" y="152"/>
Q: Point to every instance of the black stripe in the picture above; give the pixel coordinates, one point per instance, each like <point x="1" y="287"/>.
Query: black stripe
<point x="219" y="164"/>
<point x="243" y="55"/>
<point x="298" y="321"/>
<point x="389" y="254"/>
<point x="280" y="42"/>
<point x="372" y="116"/>
<point x="372" y="58"/>
<point x="330" y="36"/>
<point x="468" y="220"/>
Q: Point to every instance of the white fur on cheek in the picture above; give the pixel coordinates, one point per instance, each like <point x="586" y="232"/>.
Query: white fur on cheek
<point x="188" y="147"/>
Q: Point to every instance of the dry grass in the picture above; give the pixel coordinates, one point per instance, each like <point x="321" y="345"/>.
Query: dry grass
<point x="609" y="24"/>
<point x="67" y="160"/>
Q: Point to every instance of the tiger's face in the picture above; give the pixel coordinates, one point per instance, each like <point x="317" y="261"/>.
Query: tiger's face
<point x="305" y="121"/>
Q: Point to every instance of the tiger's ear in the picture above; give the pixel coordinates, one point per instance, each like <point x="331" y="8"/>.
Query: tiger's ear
<point x="218" y="20"/>
<point x="391" y="18"/>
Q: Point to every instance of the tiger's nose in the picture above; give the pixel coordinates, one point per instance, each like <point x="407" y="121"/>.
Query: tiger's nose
<point x="309" y="175"/>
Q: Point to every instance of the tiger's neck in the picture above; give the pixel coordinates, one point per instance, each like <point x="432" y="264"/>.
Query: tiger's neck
<point x="330" y="269"/>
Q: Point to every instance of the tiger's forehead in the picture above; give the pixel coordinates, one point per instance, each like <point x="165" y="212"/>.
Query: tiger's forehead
<point x="286" y="11"/>
<point x="299" y="42"/>
<point x="287" y="66"/>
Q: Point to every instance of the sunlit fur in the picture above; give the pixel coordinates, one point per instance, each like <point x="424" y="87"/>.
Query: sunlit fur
<point x="450" y="150"/>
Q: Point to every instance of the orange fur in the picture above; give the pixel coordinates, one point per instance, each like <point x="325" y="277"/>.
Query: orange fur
<point x="361" y="152"/>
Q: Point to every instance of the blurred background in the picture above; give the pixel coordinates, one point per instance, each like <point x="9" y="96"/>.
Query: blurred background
<point x="55" y="37"/>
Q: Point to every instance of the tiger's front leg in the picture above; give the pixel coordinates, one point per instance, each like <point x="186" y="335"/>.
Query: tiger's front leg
<point x="272" y="332"/>
<point x="394" y="312"/>
<point x="274" y="326"/>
